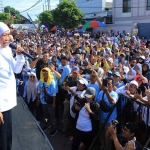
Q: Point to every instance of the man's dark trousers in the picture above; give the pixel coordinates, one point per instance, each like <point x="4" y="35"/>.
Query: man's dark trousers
<point x="6" y="131"/>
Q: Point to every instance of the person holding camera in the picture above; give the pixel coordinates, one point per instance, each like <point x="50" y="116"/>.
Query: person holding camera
<point x="87" y="114"/>
<point x="121" y="142"/>
<point x="107" y="99"/>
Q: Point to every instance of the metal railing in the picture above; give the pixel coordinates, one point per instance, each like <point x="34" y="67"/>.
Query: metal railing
<point x="129" y="110"/>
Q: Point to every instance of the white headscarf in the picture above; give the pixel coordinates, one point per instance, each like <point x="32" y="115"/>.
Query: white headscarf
<point x="32" y="88"/>
<point x="3" y="28"/>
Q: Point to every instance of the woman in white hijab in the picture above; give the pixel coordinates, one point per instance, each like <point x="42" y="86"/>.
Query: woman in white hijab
<point x="8" y="66"/>
<point x="30" y="92"/>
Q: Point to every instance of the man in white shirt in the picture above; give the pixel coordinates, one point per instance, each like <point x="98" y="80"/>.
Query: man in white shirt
<point x="8" y="66"/>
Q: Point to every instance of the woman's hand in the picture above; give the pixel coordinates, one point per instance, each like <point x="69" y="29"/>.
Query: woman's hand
<point x="1" y="119"/>
<point x="19" y="50"/>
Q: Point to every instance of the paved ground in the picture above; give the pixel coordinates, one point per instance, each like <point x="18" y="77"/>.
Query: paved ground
<point x="27" y="136"/>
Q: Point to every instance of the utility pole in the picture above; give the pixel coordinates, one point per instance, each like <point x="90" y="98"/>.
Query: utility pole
<point x="48" y="3"/>
<point x="43" y="7"/>
<point x="1" y="6"/>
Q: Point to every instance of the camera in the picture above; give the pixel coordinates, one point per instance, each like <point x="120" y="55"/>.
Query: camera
<point x="115" y="123"/>
<point x="78" y="104"/>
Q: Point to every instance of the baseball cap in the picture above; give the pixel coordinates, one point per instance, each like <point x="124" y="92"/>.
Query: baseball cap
<point x="90" y="91"/>
<point x="134" y="83"/>
<point x="117" y="74"/>
<point x="110" y="59"/>
<point x="142" y="57"/>
<point x="75" y="69"/>
<point x="83" y="81"/>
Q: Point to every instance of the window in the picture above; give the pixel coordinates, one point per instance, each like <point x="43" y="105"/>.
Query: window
<point x="126" y="6"/>
<point x="148" y="4"/>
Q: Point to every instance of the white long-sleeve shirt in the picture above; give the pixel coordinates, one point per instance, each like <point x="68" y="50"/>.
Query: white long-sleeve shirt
<point x="9" y="66"/>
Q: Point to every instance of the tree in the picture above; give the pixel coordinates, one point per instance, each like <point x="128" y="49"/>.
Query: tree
<point x="10" y="10"/>
<point x="67" y="15"/>
<point x="46" y="18"/>
<point x="4" y="16"/>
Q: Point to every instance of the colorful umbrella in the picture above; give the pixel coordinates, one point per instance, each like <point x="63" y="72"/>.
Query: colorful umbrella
<point x="54" y="28"/>
<point x="21" y="27"/>
<point x="94" y="24"/>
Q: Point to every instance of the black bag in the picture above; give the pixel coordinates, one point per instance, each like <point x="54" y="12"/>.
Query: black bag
<point x="104" y="107"/>
<point x="48" y="98"/>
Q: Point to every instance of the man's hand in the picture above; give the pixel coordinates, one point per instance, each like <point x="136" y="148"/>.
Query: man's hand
<point x="147" y="92"/>
<point x="19" y="50"/>
<point x="105" y="89"/>
<point x="112" y="131"/>
<point x="52" y="67"/>
<point x="88" y="108"/>
<point x="130" y="145"/>
<point x="1" y="118"/>
<point x="77" y="107"/>
<point x="38" y="102"/>
<point x="138" y="96"/>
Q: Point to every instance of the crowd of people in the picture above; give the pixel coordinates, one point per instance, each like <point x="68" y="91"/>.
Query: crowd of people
<point x="74" y="82"/>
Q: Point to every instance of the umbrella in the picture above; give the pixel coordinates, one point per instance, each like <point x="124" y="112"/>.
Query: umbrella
<point x="54" y="28"/>
<point x="21" y="27"/>
<point x="94" y="24"/>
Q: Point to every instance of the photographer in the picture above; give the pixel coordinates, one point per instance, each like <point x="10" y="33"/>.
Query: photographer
<point x="121" y="141"/>
<point x="107" y="99"/>
<point x="87" y="113"/>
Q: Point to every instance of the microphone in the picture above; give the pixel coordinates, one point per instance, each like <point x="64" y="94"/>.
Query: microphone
<point x="12" y="46"/>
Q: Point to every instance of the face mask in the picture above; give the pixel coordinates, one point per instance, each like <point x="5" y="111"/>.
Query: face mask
<point x="130" y="77"/>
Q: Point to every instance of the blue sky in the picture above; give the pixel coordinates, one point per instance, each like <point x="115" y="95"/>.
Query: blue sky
<point x="22" y="5"/>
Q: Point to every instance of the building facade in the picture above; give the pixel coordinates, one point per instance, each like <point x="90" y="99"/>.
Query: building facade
<point x="93" y="9"/>
<point x="131" y="11"/>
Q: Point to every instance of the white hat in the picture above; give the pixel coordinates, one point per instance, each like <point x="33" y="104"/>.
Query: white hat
<point x="134" y="82"/>
<point x="3" y="28"/>
<point x="126" y="69"/>
<point x="110" y="59"/>
<point x="142" y="57"/>
<point x="83" y="81"/>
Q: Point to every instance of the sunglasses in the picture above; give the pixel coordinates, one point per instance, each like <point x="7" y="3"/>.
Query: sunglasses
<point x="44" y="72"/>
<point x="32" y="76"/>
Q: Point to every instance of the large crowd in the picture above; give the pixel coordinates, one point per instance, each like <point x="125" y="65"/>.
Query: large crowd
<point x="75" y="80"/>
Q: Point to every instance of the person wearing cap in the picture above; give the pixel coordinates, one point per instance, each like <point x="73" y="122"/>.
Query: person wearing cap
<point x="8" y="66"/>
<point x="129" y="89"/>
<point x="141" y="59"/>
<point x="87" y="112"/>
<point x="120" y="141"/>
<point x="70" y="81"/>
<point x="80" y="90"/>
<point x="117" y="80"/>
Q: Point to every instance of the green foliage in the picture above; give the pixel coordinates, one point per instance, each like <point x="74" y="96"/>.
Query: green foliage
<point x="4" y="16"/>
<point x="67" y="14"/>
<point x="46" y="18"/>
<point x="10" y="10"/>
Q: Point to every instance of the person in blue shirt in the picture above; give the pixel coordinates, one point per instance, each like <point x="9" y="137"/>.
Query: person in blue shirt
<point x="94" y="84"/>
<point x="117" y="80"/>
<point x="107" y="99"/>
<point x="66" y="69"/>
<point x="46" y="90"/>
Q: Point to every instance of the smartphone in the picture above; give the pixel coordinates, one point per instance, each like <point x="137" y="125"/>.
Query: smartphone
<point x="105" y="82"/>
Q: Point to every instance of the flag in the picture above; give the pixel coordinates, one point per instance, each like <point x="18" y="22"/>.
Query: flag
<point x="31" y="21"/>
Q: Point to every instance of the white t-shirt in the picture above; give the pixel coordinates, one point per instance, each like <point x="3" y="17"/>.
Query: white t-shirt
<point x="72" y="100"/>
<point x="84" y="122"/>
